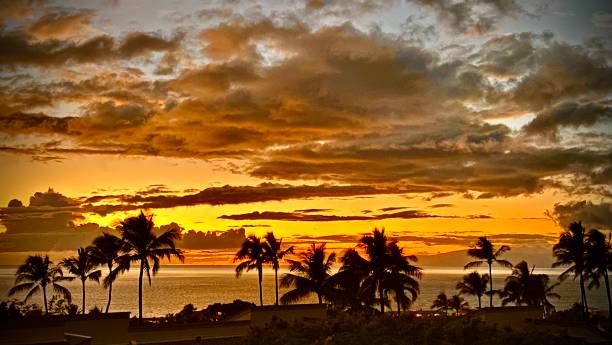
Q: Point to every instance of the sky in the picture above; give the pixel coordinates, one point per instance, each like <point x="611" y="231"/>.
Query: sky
<point x="438" y="120"/>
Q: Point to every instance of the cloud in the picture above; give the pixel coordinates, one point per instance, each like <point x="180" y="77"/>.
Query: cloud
<point x="568" y="115"/>
<point x="22" y="51"/>
<point x="298" y="216"/>
<point x="192" y="239"/>
<point x="57" y="25"/>
<point x="602" y="20"/>
<point x="592" y="215"/>
<point x="441" y="205"/>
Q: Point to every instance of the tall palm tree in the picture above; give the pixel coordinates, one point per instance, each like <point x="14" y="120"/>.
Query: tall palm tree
<point x="141" y="245"/>
<point x="312" y="270"/>
<point x="485" y="252"/>
<point x="84" y="268"/>
<point x="474" y="284"/>
<point x="38" y="273"/>
<point x="376" y="247"/>
<point x="570" y="251"/>
<point x="441" y="303"/>
<point x="458" y="304"/>
<point x="402" y="276"/>
<point x="252" y="256"/>
<point x="105" y="251"/>
<point x="598" y="261"/>
<point x="274" y="254"/>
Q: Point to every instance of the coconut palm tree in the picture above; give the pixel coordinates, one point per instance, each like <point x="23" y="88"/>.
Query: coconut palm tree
<point x="312" y="268"/>
<point x="347" y="282"/>
<point x="525" y="287"/>
<point x="274" y="254"/>
<point x="474" y="284"/>
<point x="105" y="251"/>
<point x="598" y="262"/>
<point x="84" y="268"/>
<point x="570" y="251"/>
<point x="485" y="252"/>
<point x="458" y="304"/>
<point x="37" y="273"/>
<point x="141" y="245"/>
<point x="402" y="276"/>
<point x="441" y="303"/>
<point x="252" y="256"/>
<point x="376" y="247"/>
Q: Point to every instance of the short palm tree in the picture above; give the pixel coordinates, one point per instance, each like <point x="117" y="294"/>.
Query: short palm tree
<point x="252" y="256"/>
<point x="37" y="273"/>
<point x="312" y="268"/>
<point x="105" y="250"/>
<point x="474" y="284"/>
<point x="570" y="251"/>
<point x="141" y="245"/>
<point x="525" y="287"/>
<point x="458" y="304"/>
<point x="84" y="268"/>
<point x="347" y="282"/>
<point x="441" y="303"/>
<point x="485" y="252"/>
<point x="598" y="261"/>
<point x="274" y="254"/>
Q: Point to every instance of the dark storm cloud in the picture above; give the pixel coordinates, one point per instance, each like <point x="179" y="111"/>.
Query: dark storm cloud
<point x="592" y="215"/>
<point x="569" y="114"/>
<point x="20" y="50"/>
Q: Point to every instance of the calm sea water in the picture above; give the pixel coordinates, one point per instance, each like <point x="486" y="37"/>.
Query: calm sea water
<point x="175" y="286"/>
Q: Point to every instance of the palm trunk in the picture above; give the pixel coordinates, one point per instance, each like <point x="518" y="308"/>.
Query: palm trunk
<point x="110" y="289"/>
<point x="140" y="292"/>
<point x="320" y="298"/>
<point x="399" y="308"/>
<point x="83" y="284"/>
<point x="276" y="283"/>
<point x="609" y="298"/>
<point x="490" y="287"/>
<point x="44" y="288"/>
<point x="583" y="297"/>
<point x="260" y="274"/>
<point x="479" y="305"/>
<point x="382" y="298"/>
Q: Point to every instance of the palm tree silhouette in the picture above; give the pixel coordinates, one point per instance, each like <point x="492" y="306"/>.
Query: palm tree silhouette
<point x="570" y="251"/>
<point x="274" y="254"/>
<point x="105" y="251"/>
<point x="402" y="276"/>
<point x="313" y="272"/>
<point x="457" y="304"/>
<point x="38" y="273"/>
<point x="142" y="245"/>
<point x="486" y="253"/>
<point x="347" y="282"/>
<point x="598" y="261"/>
<point x="474" y="284"/>
<point x="441" y="303"/>
<point x="252" y="255"/>
<point x="525" y="287"/>
<point x="376" y="247"/>
<point x="83" y="267"/>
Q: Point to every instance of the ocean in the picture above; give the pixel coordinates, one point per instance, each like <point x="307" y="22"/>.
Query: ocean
<point x="177" y="285"/>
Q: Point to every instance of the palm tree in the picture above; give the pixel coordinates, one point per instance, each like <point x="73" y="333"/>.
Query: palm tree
<point x="274" y="254"/>
<point x="570" y="251"/>
<point x="441" y="303"/>
<point x="313" y="272"/>
<point x="486" y="253"/>
<point x="598" y="261"/>
<point x="37" y="273"/>
<point x="347" y="282"/>
<point x="457" y="304"/>
<point x="402" y="276"/>
<point x="474" y="284"/>
<point x="83" y="267"/>
<point x="252" y="255"/>
<point x="142" y="245"/>
<point x="105" y="251"/>
<point x="376" y="247"/>
<point x="525" y="287"/>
